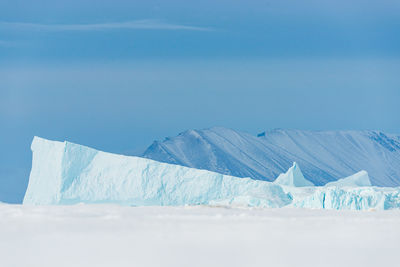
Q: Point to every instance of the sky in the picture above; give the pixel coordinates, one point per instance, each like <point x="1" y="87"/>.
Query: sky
<point x="117" y="75"/>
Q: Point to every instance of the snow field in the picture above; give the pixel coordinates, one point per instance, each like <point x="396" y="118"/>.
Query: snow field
<point x="108" y="235"/>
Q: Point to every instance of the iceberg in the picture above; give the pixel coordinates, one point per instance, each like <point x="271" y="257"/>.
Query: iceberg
<point x="293" y="177"/>
<point x="360" y="178"/>
<point x="357" y="198"/>
<point x="350" y="193"/>
<point x="65" y="173"/>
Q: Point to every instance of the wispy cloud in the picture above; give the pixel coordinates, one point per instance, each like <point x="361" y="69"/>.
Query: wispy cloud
<point x="129" y="25"/>
<point x="8" y="43"/>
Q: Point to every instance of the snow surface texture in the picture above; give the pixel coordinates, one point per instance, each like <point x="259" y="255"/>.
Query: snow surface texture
<point x="107" y="235"/>
<point x="67" y="173"/>
<point x="323" y="156"/>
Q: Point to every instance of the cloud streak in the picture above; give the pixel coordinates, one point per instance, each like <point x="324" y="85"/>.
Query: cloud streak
<point x="129" y="25"/>
<point x="4" y="43"/>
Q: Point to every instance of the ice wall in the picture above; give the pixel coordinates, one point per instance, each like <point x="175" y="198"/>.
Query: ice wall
<point x="45" y="178"/>
<point x="357" y="198"/>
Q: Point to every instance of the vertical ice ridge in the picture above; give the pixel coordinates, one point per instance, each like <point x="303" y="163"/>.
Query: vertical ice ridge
<point x="46" y="174"/>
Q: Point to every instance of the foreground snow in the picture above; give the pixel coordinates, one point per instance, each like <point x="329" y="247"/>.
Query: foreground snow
<point x="99" y="235"/>
<point x="67" y="173"/>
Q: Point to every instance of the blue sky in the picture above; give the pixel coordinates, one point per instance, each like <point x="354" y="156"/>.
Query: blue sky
<point x="117" y="75"/>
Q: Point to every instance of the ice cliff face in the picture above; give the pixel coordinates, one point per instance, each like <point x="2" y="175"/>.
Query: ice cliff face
<point x="323" y="156"/>
<point x="346" y="198"/>
<point x="67" y="173"/>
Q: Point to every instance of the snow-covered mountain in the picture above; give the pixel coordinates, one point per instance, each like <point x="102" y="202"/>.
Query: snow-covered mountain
<point x="324" y="156"/>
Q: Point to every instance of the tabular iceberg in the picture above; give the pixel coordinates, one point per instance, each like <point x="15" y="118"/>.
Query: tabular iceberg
<point x="67" y="173"/>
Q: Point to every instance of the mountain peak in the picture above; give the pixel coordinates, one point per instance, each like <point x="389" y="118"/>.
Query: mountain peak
<point x="324" y="156"/>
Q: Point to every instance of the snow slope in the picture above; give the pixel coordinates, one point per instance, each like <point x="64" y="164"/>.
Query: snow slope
<point x="323" y="156"/>
<point x="67" y="173"/>
<point x="107" y="235"/>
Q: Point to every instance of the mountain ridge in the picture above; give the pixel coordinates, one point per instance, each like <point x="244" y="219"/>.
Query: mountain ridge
<point x="324" y="156"/>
